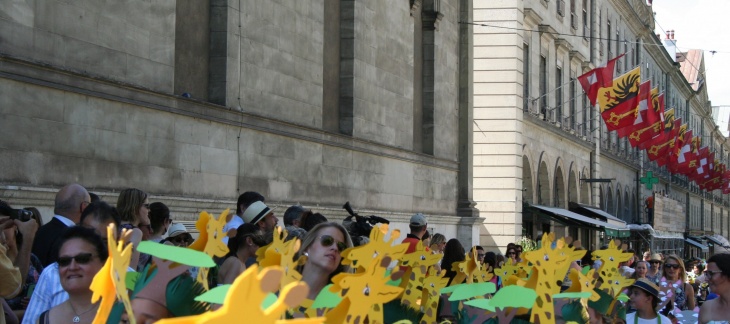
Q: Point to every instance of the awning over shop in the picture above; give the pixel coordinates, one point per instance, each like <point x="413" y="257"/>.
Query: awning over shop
<point x="694" y="243"/>
<point x="716" y="241"/>
<point x="570" y="218"/>
<point x="617" y="227"/>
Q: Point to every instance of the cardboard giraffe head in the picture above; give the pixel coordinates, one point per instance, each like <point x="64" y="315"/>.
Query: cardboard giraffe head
<point x="365" y="292"/>
<point x="282" y="254"/>
<point x="418" y="263"/>
<point x="466" y="269"/>
<point x="420" y="259"/>
<point x="583" y="283"/>
<point x="431" y="292"/>
<point x="544" y="276"/>
<point x="246" y="295"/>
<point x="610" y="258"/>
<point x="110" y="282"/>
<point x="507" y="270"/>
<point x="360" y="257"/>
<point x="210" y="240"/>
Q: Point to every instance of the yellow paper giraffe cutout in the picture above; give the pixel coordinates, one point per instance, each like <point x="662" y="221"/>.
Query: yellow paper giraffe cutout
<point x="280" y="253"/>
<point x="583" y="283"/>
<point x="617" y="285"/>
<point x="610" y="258"/>
<point x="432" y="286"/>
<point x="360" y="257"/>
<point x="417" y="263"/>
<point x="544" y="277"/>
<point x="109" y="283"/>
<point x="483" y="275"/>
<point x="365" y="293"/>
<point x="509" y="273"/>
<point x="210" y="240"/>
<point x="245" y="296"/>
<point x="465" y="269"/>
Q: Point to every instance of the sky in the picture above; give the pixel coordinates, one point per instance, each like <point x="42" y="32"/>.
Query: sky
<point x="699" y="24"/>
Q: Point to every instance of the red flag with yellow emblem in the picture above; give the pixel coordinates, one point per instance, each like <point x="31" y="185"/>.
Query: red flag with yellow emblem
<point x="619" y="103"/>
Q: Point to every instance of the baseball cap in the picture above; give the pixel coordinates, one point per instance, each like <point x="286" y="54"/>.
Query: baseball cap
<point x="418" y="220"/>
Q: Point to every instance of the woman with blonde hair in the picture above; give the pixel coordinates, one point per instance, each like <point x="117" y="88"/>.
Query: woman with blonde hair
<point x="323" y="246"/>
<point x="437" y="245"/>
<point x="134" y="209"/>
<point x="674" y="274"/>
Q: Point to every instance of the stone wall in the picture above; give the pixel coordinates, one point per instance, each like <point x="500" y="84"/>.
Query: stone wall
<point x="129" y="41"/>
<point x="669" y="214"/>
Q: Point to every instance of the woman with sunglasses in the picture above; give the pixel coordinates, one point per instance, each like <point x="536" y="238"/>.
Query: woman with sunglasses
<point x="675" y="275"/>
<point x="323" y="246"/>
<point x="717" y="274"/>
<point x="240" y="248"/>
<point x="512" y="255"/>
<point x="81" y="255"/>
<point x="655" y="267"/>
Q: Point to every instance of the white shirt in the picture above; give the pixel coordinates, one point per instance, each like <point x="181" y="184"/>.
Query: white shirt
<point x="65" y="220"/>
<point x="234" y="223"/>
<point x="630" y="319"/>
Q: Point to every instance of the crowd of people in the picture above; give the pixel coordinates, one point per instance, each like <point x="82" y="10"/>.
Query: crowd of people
<point x="47" y="269"/>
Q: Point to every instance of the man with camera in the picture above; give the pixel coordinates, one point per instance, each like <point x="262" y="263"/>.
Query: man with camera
<point x="70" y="202"/>
<point x="14" y="257"/>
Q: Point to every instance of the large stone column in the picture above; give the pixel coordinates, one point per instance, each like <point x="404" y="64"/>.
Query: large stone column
<point x="497" y="132"/>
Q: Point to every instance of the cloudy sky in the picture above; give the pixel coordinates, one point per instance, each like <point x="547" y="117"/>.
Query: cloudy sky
<point x="699" y="24"/>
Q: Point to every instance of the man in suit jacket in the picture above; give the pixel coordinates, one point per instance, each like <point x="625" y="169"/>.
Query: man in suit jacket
<point x="70" y="202"/>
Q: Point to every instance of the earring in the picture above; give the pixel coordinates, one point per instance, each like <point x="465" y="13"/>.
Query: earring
<point x="306" y="253"/>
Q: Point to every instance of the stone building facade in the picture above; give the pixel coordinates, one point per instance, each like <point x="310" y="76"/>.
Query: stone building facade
<point x="311" y="102"/>
<point x="537" y="138"/>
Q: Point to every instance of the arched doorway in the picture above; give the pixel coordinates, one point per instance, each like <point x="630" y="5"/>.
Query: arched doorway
<point x="559" y="194"/>
<point x="572" y="186"/>
<point x="618" y="197"/>
<point x="627" y="206"/>
<point x="585" y="189"/>
<point x="543" y="185"/>
<point x="527" y="191"/>
<point x="609" y="201"/>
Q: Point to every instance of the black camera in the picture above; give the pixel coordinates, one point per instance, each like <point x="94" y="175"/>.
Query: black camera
<point x="360" y="227"/>
<point x="23" y="215"/>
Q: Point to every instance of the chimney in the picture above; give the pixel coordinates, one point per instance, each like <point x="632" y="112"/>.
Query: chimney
<point x="670" y="45"/>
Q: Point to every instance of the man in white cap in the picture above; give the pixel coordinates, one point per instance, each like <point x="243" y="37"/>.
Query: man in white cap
<point x="418" y="227"/>
<point x="260" y="214"/>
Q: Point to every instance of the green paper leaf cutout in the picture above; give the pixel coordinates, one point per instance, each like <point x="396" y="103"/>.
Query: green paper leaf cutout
<point x="269" y="300"/>
<point x="622" y="297"/>
<point x="514" y="296"/>
<point x="176" y="254"/>
<point x="326" y="299"/>
<point x="405" y="321"/>
<point x="450" y="289"/>
<point x="466" y="291"/>
<point x="573" y="295"/>
<point x="586" y="269"/>
<point x="215" y="296"/>
<point x="131" y="279"/>
<point x="482" y="303"/>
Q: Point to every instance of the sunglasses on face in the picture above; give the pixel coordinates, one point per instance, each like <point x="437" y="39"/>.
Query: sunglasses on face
<point x="511" y="253"/>
<point x="711" y="273"/>
<point x="653" y="262"/>
<point x="327" y="241"/>
<point x="671" y="266"/>
<point x="81" y="258"/>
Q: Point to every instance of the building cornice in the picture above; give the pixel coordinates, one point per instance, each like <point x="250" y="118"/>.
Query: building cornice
<point x="531" y="17"/>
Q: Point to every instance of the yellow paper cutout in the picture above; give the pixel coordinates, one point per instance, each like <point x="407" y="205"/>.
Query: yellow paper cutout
<point x="244" y="299"/>
<point x="280" y="253"/>
<point x="432" y="286"/>
<point x="360" y="257"/>
<point x="417" y="262"/>
<point x="544" y="277"/>
<point x="365" y="293"/>
<point x="617" y="284"/>
<point x="610" y="258"/>
<point x="583" y="283"/>
<point x="210" y="240"/>
<point x="465" y="269"/>
<point x="483" y="275"/>
<point x="507" y="271"/>
<point x="109" y="283"/>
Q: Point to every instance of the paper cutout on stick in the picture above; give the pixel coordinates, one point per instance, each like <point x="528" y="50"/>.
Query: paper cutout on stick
<point x="176" y="254"/>
<point x="110" y="282"/>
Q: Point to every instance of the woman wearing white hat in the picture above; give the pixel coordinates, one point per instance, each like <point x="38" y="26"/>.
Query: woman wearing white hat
<point x="178" y="235"/>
